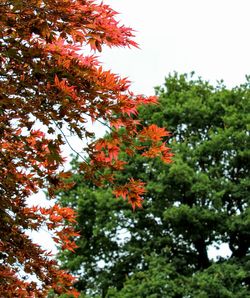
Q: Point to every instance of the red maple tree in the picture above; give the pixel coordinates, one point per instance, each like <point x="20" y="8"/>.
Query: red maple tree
<point x="48" y="79"/>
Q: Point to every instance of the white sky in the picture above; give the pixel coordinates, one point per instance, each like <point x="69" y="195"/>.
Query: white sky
<point x="210" y="37"/>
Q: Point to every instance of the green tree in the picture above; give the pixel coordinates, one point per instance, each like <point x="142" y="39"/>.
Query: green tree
<point x="200" y="200"/>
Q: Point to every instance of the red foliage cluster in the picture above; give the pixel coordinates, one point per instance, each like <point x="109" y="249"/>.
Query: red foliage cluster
<point x="45" y="79"/>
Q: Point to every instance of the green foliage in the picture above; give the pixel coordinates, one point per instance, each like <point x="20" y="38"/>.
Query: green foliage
<point x="222" y="280"/>
<point x="200" y="200"/>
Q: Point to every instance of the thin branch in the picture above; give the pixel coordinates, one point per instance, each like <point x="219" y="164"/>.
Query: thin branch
<point x="77" y="153"/>
<point x="101" y="122"/>
<point x="68" y="143"/>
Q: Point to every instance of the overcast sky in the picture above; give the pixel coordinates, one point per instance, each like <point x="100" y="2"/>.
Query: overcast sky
<point x="210" y="37"/>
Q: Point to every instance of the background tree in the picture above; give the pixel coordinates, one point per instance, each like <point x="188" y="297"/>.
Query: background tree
<point x="49" y="81"/>
<point x="200" y="200"/>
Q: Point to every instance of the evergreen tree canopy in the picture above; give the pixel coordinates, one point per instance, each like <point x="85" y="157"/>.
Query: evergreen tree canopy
<point x="199" y="201"/>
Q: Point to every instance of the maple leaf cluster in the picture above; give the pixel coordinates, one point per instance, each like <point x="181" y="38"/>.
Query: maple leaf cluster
<point x="48" y="79"/>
